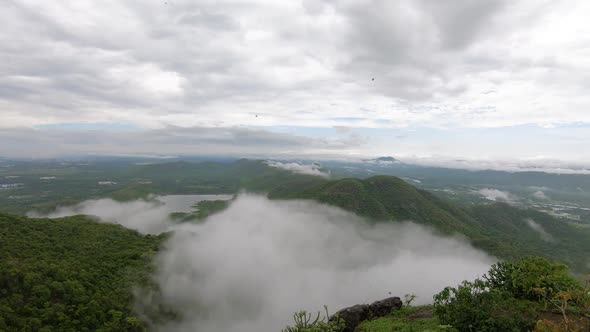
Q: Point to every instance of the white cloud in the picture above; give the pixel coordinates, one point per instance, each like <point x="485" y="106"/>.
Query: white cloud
<point x="496" y="195"/>
<point x="540" y="230"/>
<point x="150" y="78"/>
<point x="503" y="164"/>
<point x="540" y="195"/>
<point x="478" y="64"/>
<point x="310" y="169"/>
<point x="250" y="267"/>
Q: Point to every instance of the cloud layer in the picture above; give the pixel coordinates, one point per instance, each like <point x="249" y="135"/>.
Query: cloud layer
<point x="250" y="267"/>
<point x="237" y="67"/>
<point x="309" y="169"/>
<point x="236" y="141"/>
<point x="310" y="63"/>
<point x="496" y="195"/>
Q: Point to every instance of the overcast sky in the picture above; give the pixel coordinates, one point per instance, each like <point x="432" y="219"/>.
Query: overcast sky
<point x="472" y="79"/>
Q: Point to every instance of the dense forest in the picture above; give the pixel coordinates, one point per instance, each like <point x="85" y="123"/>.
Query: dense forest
<point x="71" y="274"/>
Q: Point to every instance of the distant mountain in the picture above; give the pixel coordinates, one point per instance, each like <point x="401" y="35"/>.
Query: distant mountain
<point x="222" y="178"/>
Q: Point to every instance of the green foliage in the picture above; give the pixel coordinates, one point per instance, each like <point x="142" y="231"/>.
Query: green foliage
<point x="406" y="319"/>
<point x="472" y="306"/>
<point x="505" y="299"/>
<point x="305" y="323"/>
<point x="511" y="296"/>
<point x="207" y="208"/>
<point x="499" y="229"/>
<point x="507" y="234"/>
<point x="76" y="183"/>
<point x="70" y="274"/>
<point x="389" y="198"/>
<point x="532" y="278"/>
<point x="203" y="209"/>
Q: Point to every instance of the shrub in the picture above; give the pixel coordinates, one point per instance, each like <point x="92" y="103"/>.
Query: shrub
<point x="304" y="323"/>
<point x="472" y="306"/>
<point x="532" y="278"/>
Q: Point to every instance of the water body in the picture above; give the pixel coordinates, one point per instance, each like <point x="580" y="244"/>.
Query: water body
<point x="146" y="216"/>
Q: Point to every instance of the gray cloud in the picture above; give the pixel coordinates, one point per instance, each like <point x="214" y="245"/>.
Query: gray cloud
<point x="250" y="267"/>
<point x="201" y="63"/>
<point x="19" y="142"/>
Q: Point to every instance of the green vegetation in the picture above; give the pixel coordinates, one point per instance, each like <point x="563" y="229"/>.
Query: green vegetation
<point x="70" y="274"/>
<point x="529" y="294"/>
<point x="207" y="208"/>
<point x="304" y="322"/>
<point x="68" y="184"/>
<point x="73" y="274"/>
<point x="407" y="319"/>
<point x="388" y="198"/>
<point x="517" y="296"/>
<point x="203" y="209"/>
<point x="500" y="229"/>
<point x="506" y="232"/>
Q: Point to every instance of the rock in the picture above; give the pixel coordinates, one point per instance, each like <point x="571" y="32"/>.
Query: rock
<point x="356" y="314"/>
<point x="385" y="307"/>
<point x="353" y="316"/>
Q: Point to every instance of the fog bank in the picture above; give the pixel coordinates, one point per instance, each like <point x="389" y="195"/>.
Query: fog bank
<point x="250" y="267"/>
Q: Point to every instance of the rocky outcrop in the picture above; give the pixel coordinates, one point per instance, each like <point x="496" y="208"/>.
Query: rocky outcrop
<point x="356" y="314"/>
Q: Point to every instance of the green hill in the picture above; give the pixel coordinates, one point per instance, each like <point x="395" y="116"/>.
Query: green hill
<point x="390" y="198"/>
<point x="215" y="178"/>
<point x="500" y="229"/>
<point x="510" y="231"/>
<point x="70" y="274"/>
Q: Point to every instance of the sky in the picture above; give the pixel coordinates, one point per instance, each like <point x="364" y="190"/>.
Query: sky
<point x="482" y="80"/>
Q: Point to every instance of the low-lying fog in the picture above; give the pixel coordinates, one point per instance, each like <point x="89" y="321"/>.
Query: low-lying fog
<point x="251" y="266"/>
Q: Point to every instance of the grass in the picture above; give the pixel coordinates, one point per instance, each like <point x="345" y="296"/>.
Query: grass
<point x="407" y="319"/>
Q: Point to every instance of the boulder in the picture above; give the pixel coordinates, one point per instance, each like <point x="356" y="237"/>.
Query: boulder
<point x="385" y="307"/>
<point x="356" y="314"/>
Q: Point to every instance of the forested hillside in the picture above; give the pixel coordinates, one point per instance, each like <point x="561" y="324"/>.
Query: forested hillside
<point x="70" y="274"/>
<point x="500" y="229"/>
